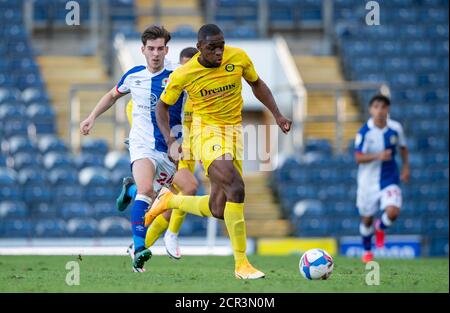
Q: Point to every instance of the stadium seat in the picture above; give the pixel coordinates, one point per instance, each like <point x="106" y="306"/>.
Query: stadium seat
<point x="32" y="176"/>
<point x="34" y="95"/>
<point x="311" y="227"/>
<point x="9" y="189"/>
<point x="21" y="144"/>
<point x="36" y="193"/>
<point x="308" y="208"/>
<point x="94" y="146"/>
<point x="58" y="160"/>
<point x="9" y="95"/>
<point x="117" y="160"/>
<point x="63" y="176"/>
<point x="17" y="228"/>
<point x="67" y="192"/>
<point x="86" y="160"/>
<point x="70" y="210"/>
<point x="82" y="227"/>
<point x="439" y="246"/>
<point x="24" y="160"/>
<point x="114" y="226"/>
<point x="13" y="210"/>
<point x="10" y="112"/>
<point x="15" y="128"/>
<point x="42" y="117"/>
<point x="103" y="209"/>
<point x="50" y="228"/>
<point x="51" y="143"/>
<point x="44" y="210"/>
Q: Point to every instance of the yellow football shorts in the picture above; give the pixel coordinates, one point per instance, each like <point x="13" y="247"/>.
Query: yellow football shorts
<point x="217" y="142"/>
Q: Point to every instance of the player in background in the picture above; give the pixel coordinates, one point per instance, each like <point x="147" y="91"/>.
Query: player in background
<point x="376" y="146"/>
<point x="184" y="182"/>
<point x="151" y="167"/>
<point x="213" y="81"/>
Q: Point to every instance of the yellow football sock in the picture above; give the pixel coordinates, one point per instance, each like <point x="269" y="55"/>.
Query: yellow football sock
<point x="235" y="223"/>
<point x="155" y="230"/>
<point x="176" y="220"/>
<point x="197" y="205"/>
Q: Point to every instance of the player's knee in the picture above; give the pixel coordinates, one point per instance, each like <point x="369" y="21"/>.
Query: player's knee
<point x="146" y="189"/>
<point x="217" y="207"/>
<point x="237" y="193"/>
<point x="234" y="188"/>
<point x="393" y="213"/>
<point x="367" y="221"/>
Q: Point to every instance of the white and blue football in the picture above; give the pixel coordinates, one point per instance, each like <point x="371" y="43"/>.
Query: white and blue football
<point x="316" y="264"/>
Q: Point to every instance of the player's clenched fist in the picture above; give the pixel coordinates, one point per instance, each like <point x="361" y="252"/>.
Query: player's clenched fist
<point x="284" y="123"/>
<point x="86" y="125"/>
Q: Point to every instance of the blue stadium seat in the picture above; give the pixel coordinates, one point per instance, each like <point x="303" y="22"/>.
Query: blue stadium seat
<point x="44" y="210"/>
<point x="310" y="227"/>
<point x="57" y="160"/>
<point x="198" y="225"/>
<point x="63" y="176"/>
<point x="117" y="160"/>
<point x="439" y="246"/>
<point x="308" y="208"/>
<point x="70" y="210"/>
<point x="51" y="143"/>
<point x="13" y="210"/>
<point x="34" y="95"/>
<point x="15" y="128"/>
<point x="86" y="160"/>
<point x="24" y="160"/>
<point x="32" y="176"/>
<point x="346" y="226"/>
<point x="94" y="146"/>
<point x="97" y="185"/>
<point x="17" y="228"/>
<point x="67" y="192"/>
<point x="37" y="193"/>
<point x="9" y="95"/>
<point x="10" y="112"/>
<point x="82" y="227"/>
<point x="21" y="144"/>
<point x="42" y="117"/>
<point x="50" y="228"/>
<point x="437" y="226"/>
<point x="103" y="209"/>
<point x="9" y="189"/>
<point x="184" y="31"/>
<point x="114" y="227"/>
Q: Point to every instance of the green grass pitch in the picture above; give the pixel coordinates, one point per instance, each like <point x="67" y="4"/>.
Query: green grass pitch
<point x="215" y="274"/>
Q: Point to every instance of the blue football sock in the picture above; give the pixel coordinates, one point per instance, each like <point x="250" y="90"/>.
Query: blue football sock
<point x="132" y="191"/>
<point x="137" y="220"/>
<point x="366" y="234"/>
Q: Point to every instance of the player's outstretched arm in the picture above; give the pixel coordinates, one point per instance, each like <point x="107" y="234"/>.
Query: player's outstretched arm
<point x="162" y="119"/>
<point x="102" y="106"/>
<point x="263" y="94"/>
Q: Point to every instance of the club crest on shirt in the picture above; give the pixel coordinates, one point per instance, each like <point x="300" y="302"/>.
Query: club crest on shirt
<point x="393" y="140"/>
<point x="164" y="82"/>
<point x="229" y="67"/>
<point x="153" y="100"/>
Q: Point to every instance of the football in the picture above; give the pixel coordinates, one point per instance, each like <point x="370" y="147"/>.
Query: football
<point x="316" y="264"/>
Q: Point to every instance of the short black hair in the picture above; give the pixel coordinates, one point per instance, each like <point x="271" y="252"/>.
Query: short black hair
<point x="188" y="52"/>
<point x="208" y="30"/>
<point x="380" y="97"/>
<point x="154" y="32"/>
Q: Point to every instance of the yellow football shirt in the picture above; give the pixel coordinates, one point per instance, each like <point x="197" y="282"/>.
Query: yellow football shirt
<point x="214" y="93"/>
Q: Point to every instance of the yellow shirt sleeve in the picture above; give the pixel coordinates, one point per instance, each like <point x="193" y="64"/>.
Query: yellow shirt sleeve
<point x="249" y="72"/>
<point x="129" y="110"/>
<point x="173" y="89"/>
